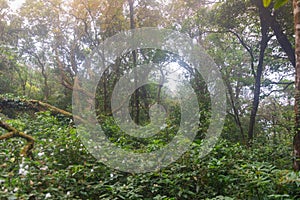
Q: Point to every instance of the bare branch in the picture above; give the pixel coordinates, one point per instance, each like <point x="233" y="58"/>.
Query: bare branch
<point x="13" y="132"/>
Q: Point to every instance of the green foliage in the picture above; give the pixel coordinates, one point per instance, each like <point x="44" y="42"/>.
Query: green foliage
<point x="277" y="3"/>
<point x="280" y="3"/>
<point x="267" y="3"/>
<point x="63" y="169"/>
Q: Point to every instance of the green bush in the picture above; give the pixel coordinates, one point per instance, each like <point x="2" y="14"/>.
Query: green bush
<point x="63" y="169"/>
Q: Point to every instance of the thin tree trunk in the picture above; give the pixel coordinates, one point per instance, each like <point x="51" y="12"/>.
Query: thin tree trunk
<point x="45" y="76"/>
<point x="296" y="143"/>
<point x="255" y="103"/>
<point x="235" y="110"/>
<point x="136" y="94"/>
<point x="162" y="81"/>
<point x="46" y="86"/>
<point x="105" y="92"/>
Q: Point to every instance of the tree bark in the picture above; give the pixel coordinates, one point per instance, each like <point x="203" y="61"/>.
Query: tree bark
<point x="263" y="45"/>
<point x="296" y="142"/>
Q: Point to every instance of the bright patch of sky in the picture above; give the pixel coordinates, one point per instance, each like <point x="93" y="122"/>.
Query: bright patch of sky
<point x="15" y="4"/>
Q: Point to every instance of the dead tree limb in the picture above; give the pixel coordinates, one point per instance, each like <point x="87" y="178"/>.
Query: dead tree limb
<point x="13" y="132"/>
<point x="36" y="106"/>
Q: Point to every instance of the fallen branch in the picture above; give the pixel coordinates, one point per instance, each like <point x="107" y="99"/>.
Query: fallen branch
<point x="34" y="105"/>
<point x="13" y="132"/>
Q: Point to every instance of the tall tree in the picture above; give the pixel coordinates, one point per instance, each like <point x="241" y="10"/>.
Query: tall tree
<point x="236" y="14"/>
<point x="295" y="59"/>
<point x="296" y="6"/>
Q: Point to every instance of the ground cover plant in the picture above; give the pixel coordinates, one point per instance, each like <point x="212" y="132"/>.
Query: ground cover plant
<point x="47" y="58"/>
<point x="61" y="168"/>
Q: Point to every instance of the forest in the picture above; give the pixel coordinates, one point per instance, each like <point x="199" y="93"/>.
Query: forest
<point x="149" y="99"/>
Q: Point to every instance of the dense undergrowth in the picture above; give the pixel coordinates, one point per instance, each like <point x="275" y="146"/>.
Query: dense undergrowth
<point x="61" y="168"/>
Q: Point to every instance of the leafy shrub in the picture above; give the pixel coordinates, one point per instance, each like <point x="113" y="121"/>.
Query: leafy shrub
<point x="63" y="169"/>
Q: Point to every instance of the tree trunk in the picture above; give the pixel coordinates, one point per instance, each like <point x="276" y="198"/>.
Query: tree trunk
<point x="263" y="46"/>
<point x="46" y="86"/>
<point x="136" y="103"/>
<point x="296" y="143"/>
<point x="235" y="109"/>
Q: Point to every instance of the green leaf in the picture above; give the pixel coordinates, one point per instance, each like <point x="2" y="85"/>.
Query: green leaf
<point x="266" y="3"/>
<point x="280" y="3"/>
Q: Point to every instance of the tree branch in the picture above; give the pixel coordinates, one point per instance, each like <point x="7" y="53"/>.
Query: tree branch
<point x="13" y="132"/>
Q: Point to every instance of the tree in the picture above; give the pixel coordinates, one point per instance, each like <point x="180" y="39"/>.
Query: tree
<point x="10" y="64"/>
<point x="296" y="63"/>
<point x="296" y="143"/>
<point x="246" y="22"/>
